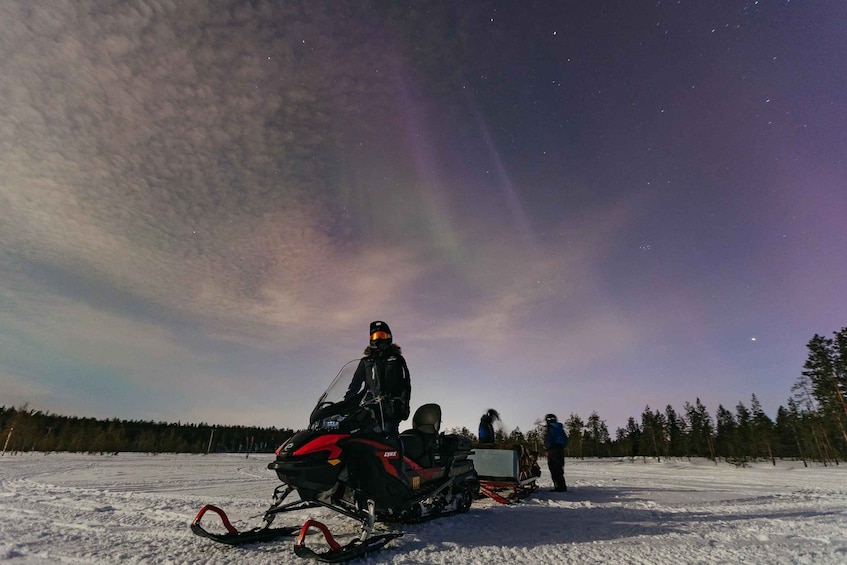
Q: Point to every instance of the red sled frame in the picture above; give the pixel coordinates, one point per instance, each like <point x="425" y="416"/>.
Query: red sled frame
<point x="507" y="491"/>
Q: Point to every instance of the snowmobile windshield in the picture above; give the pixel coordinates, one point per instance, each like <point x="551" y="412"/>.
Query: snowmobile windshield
<point x="332" y="408"/>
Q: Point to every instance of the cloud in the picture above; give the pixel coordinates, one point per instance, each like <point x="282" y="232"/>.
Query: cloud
<point x="18" y="391"/>
<point x="220" y="197"/>
<point x="162" y="152"/>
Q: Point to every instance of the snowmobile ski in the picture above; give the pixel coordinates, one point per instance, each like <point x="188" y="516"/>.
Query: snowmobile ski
<point x="336" y="552"/>
<point x="233" y="536"/>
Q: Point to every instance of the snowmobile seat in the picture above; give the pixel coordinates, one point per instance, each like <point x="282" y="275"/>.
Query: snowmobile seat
<point x="427" y="419"/>
<point x="420" y="441"/>
<point x="413" y="446"/>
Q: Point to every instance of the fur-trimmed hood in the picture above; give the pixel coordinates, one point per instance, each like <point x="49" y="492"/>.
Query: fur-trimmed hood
<point x="373" y="351"/>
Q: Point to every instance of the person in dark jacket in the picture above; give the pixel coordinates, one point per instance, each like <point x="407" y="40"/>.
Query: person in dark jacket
<point x="486" y="425"/>
<point x="555" y="441"/>
<point x="383" y="372"/>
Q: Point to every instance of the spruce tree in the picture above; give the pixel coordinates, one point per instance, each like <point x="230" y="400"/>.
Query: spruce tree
<point x="676" y="433"/>
<point x="744" y="437"/>
<point x="763" y="431"/>
<point x="725" y="438"/>
<point x="573" y="427"/>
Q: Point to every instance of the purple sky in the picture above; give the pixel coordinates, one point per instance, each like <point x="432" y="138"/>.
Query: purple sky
<point x="557" y="206"/>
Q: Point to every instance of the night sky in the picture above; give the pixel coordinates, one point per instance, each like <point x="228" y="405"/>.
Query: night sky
<point x="561" y="207"/>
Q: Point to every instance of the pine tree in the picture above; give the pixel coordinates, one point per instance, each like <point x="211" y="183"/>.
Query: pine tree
<point x="633" y="437"/>
<point x="676" y="433"/>
<point x="573" y="427"/>
<point x="743" y="439"/>
<point x="597" y="436"/>
<point x="517" y="436"/>
<point x="788" y="433"/>
<point x="700" y="430"/>
<point x="536" y="436"/>
<point x="826" y="359"/>
<point x="653" y="433"/>
<point x="763" y="431"/>
<point x="725" y="439"/>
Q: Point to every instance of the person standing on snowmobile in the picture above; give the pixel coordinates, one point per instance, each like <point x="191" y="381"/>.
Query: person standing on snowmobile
<point x="384" y="373"/>
<point x="555" y="441"/>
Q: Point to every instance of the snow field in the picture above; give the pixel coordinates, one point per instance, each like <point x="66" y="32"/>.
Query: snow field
<point x="136" y="508"/>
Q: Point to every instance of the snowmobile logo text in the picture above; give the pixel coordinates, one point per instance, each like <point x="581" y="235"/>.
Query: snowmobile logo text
<point x="389" y="454"/>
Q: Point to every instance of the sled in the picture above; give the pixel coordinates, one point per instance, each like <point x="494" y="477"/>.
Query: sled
<point x="506" y="474"/>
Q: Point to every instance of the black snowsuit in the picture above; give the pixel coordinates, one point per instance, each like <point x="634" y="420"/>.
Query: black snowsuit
<point x="384" y="373"/>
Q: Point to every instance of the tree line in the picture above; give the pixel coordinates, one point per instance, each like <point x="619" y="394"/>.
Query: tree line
<point x="22" y="430"/>
<point x="811" y="427"/>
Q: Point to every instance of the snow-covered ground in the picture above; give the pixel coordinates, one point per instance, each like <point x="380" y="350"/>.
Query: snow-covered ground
<point x="132" y="508"/>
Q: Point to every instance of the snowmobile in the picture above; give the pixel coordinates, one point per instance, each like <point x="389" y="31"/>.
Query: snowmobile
<point x="345" y="462"/>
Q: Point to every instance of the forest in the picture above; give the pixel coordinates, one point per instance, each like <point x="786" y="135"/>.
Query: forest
<point x="23" y="430"/>
<point x="812" y="426"/>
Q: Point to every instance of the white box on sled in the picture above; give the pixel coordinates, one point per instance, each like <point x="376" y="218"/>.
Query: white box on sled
<point x="495" y="464"/>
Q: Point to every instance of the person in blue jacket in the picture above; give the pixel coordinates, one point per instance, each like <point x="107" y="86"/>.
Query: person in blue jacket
<point x="555" y="441"/>
<point x="486" y="425"/>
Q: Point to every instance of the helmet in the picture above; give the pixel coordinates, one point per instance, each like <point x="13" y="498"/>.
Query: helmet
<point x="550" y="418"/>
<point x="380" y="335"/>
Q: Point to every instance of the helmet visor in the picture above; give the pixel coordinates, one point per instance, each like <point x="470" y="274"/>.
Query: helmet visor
<point x="380" y="335"/>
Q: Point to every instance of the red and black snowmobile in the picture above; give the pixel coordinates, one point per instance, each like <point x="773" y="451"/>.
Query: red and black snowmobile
<point x="345" y="462"/>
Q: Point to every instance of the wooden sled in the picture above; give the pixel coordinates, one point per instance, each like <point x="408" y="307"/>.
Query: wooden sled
<point x="506" y="474"/>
